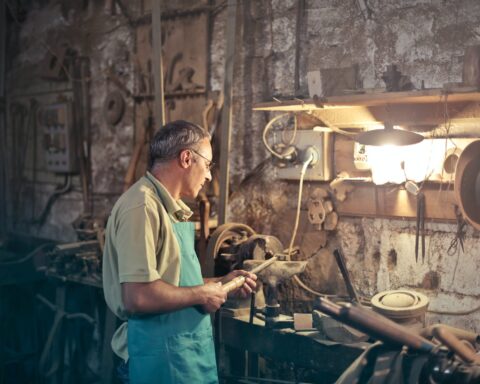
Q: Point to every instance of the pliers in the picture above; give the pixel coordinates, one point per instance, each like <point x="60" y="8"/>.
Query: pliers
<point x="420" y="230"/>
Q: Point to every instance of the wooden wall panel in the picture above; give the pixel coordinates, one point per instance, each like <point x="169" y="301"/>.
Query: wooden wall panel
<point x="370" y="200"/>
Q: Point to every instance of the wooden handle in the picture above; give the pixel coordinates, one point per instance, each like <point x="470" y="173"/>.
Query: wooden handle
<point x="237" y="282"/>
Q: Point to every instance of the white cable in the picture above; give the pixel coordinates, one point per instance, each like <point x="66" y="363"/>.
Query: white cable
<point x="267" y="128"/>
<point x="305" y="165"/>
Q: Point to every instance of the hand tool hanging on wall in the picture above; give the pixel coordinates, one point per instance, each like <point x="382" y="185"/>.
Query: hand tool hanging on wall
<point x="114" y="107"/>
<point x="459" y="234"/>
<point x="342" y="265"/>
<point x="420" y="229"/>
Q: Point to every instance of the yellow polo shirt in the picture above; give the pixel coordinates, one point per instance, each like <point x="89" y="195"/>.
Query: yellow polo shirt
<point x="140" y="245"/>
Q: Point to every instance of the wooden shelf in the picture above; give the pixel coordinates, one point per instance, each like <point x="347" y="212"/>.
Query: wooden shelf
<point x="369" y="200"/>
<point x="420" y="111"/>
<point x="366" y="199"/>
<point x="370" y="100"/>
<point x="414" y="110"/>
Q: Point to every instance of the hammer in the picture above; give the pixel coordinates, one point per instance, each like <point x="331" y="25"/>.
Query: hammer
<point x="238" y="281"/>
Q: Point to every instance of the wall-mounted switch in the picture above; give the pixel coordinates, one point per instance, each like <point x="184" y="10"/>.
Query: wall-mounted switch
<point x="322" y="168"/>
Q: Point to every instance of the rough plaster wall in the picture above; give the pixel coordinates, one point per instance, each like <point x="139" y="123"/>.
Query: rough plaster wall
<point x="107" y="41"/>
<point x="426" y="39"/>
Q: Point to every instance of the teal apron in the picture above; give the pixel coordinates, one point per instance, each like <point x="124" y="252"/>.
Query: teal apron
<point x="175" y="347"/>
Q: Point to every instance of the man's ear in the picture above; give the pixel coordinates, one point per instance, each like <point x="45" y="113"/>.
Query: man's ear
<point x="185" y="158"/>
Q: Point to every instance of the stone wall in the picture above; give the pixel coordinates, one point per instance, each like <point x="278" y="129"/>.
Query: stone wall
<point x="106" y="41"/>
<point x="427" y="41"/>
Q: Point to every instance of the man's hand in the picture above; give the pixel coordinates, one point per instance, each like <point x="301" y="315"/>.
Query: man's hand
<point x="246" y="289"/>
<point x="213" y="297"/>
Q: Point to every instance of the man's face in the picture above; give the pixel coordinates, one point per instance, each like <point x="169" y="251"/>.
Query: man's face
<point x="199" y="172"/>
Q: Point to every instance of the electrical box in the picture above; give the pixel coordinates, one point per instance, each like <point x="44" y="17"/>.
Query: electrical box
<point x="56" y="123"/>
<point x="322" y="170"/>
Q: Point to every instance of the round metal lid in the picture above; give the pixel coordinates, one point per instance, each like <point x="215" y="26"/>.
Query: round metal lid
<point x="400" y="304"/>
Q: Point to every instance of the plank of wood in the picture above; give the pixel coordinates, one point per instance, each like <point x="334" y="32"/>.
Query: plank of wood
<point x="159" y="104"/>
<point x="370" y="99"/>
<point x="369" y="200"/>
<point x="417" y="117"/>
<point x="227" y="110"/>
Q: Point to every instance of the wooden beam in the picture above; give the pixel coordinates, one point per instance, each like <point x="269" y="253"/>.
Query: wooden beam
<point x="390" y="201"/>
<point x="370" y="99"/>
<point x="227" y="110"/>
<point x="366" y="199"/>
<point x="159" y="104"/>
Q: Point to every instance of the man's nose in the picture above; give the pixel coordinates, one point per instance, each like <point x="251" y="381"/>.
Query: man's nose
<point x="208" y="176"/>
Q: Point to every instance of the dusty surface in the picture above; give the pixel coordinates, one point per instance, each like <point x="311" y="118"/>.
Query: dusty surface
<point x="425" y="39"/>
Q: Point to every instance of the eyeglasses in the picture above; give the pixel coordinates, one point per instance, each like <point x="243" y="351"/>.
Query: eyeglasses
<point x="209" y="163"/>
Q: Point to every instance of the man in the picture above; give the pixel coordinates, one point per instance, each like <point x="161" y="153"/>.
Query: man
<point x="151" y="274"/>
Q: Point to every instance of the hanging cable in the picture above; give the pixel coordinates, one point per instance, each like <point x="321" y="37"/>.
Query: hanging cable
<point x="454" y="313"/>
<point x="305" y="165"/>
<point x="26" y="257"/>
<point x="269" y="126"/>
<point x="66" y="187"/>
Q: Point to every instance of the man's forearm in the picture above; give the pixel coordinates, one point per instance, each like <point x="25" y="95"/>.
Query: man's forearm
<point x="159" y="297"/>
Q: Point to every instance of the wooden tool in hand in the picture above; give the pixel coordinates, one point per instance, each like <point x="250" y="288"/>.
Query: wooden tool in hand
<point x="238" y="281"/>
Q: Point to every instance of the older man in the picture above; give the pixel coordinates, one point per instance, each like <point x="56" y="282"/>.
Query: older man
<point x="151" y="274"/>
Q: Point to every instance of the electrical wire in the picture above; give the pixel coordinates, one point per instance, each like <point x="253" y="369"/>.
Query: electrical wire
<point x="330" y="126"/>
<point x="54" y="196"/>
<point x="267" y="128"/>
<point x="305" y="165"/>
<point x="26" y="257"/>
<point x="455" y="313"/>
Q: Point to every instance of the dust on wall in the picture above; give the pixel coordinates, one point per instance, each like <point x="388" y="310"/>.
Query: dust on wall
<point x="106" y="41"/>
<point x="427" y="41"/>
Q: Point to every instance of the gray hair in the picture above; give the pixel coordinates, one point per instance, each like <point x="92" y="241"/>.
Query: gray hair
<point x="173" y="138"/>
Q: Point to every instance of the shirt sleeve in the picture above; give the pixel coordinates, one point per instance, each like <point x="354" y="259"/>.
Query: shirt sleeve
<point x="137" y="240"/>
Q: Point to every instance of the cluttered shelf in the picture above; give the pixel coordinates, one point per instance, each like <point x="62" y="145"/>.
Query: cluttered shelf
<point x="367" y="99"/>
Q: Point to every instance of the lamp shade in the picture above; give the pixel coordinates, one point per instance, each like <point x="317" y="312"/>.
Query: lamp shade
<point x="388" y="136"/>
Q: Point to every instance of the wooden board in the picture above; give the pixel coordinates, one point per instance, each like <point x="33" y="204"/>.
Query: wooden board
<point x="367" y="199"/>
<point x="367" y="99"/>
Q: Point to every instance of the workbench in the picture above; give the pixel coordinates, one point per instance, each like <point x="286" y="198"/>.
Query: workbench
<point x="303" y="349"/>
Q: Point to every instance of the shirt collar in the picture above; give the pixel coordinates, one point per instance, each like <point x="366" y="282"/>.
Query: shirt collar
<point x="178" y="209"/>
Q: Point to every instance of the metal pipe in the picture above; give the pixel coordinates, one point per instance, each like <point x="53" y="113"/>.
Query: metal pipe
<point x="374" y="324"/>
<point x="444" y="335"/>
<point x="462" y="334"/>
